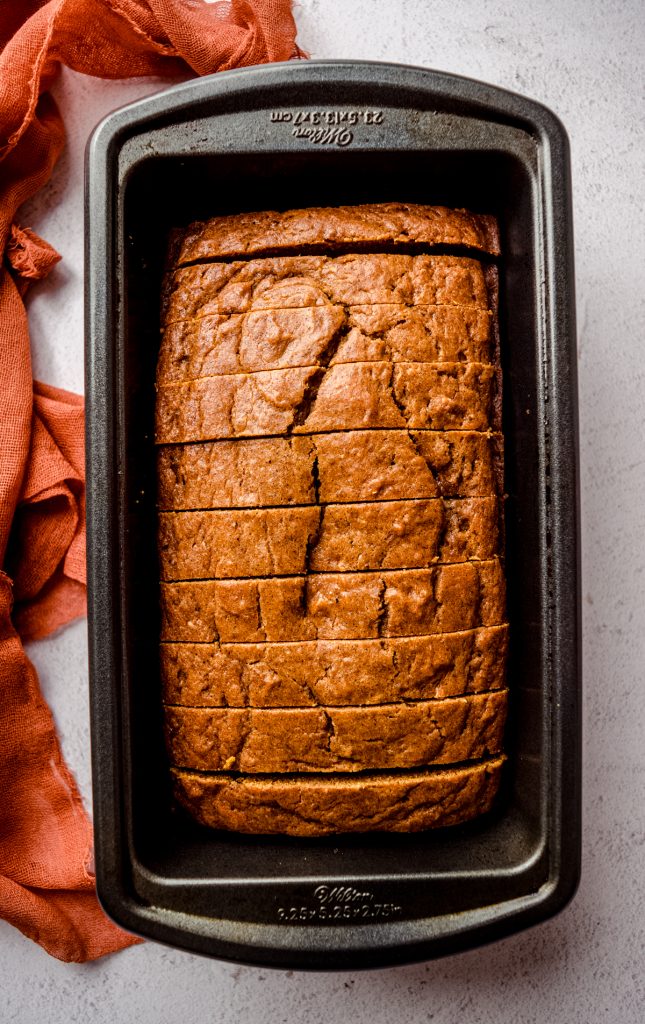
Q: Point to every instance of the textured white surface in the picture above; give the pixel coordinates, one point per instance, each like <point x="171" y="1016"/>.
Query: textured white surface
<point x="583" y="59"/>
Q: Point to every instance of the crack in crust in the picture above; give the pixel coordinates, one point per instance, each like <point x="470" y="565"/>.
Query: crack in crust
<point x="312" y="541"/>
<point x="308" y="400"/>
<point x="381" y="621"/>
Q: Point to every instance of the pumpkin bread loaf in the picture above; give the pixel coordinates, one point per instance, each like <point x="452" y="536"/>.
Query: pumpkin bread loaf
<point x="330" y="485"/>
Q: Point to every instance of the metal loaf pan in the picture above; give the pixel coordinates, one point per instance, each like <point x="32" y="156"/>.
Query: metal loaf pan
<point x="316" y="133"/>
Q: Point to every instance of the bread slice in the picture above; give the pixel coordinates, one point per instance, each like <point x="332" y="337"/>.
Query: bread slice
<point x="320" y="805"/>
<point x="271" y="339"/>
<point x="402" y="735"/>
<point x="337" y="672"/>
<point x="280" y="282"/>
<point x="352" y="466"/>
<point x="370" y="223"/>
<point x="348" y="396"/>
<point x="327" y="538"/>
<point x="331" y="606"/>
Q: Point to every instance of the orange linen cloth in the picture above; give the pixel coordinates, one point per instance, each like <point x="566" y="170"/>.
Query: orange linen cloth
<point x="46" y="881"/>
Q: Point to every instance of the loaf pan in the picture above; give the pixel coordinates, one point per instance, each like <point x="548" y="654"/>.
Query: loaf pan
<point x="278" y="137"/>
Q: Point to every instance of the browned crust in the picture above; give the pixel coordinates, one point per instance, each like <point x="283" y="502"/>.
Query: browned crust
<point x="272" y="339"/>
<point x="225" y="544"/>
<point x="413" y="602"/>
<point x="370" y="223"/>
<point x="337" y="672"/>
<point x="280" y="282"/>
<point x="349" y="396"/>
<point x="337" y="739"/>
<point x="336" y="467"/>
<point x="329" y="669"/>
<point x="317" y="806"/>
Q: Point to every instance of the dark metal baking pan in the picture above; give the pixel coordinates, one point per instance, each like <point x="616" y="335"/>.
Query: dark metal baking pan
<point x="316" y="133"/>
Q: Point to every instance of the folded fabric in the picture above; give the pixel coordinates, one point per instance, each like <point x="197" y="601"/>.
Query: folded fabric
<point x="46" y="880"/>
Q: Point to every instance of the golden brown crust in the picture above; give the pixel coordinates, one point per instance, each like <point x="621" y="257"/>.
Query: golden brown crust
<point x="271" y="339"/>
<point x="337" y="672"/>
<point x="370" y="223"/>
<point x="283" y="282"/>
<point x="413" y="602"/>
<point x="335" y="467"/>
<point x="413" y="534"/>
<point x="322" y="805"/>
<point x="330" y="494"/>
<point x="333" y="739"/>
<point x="349" y="396"/>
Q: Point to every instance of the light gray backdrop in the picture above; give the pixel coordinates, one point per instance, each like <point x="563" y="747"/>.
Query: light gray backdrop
<point x="584" y="60"/>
